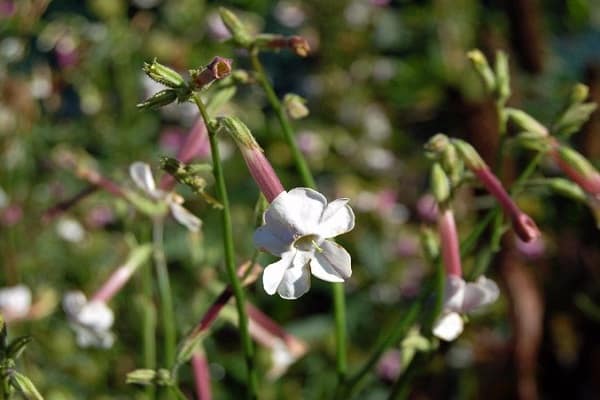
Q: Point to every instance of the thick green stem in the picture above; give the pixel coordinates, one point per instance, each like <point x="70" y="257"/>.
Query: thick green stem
<point x="308" y="181"/>
<point x="229" y="252"/>
<point x="166" y="297"/>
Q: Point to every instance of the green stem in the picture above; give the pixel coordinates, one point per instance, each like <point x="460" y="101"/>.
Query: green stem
<point x="339" y="301"/>
<point x="400" y="389"/>
<point x="149" y="327"/>
<point x="229" y="251"/>
<point x="166" y="297"/>
<point x="288" y="132"/>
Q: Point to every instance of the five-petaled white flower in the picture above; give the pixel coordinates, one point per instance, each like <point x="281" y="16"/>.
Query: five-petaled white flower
<point x="142" y="176"/>
<point x="298" y="226"/>
<point x="91" y="320"/>
<point x="461" y="297"/>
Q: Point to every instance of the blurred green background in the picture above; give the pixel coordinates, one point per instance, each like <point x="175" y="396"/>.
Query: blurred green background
<point x="382" y="77"/>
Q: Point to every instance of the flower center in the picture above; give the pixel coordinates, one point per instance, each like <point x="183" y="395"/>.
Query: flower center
<point x="308" y="243"/>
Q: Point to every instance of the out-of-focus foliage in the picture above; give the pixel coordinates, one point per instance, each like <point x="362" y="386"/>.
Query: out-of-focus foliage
<point x="382" y="77"/>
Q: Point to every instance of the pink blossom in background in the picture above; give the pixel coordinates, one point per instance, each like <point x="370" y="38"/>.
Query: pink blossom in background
<point x="7" y="8"/>
<point x="427" y="209"/>
<point x="390" y="365"/>
<point x="99" y="216"/>
<point x="171" y="140"/>
<point x="11" y="215"/>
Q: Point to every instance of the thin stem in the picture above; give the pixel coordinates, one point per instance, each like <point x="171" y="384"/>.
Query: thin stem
<point x="400" y="389"/>
<point x="149" y="327"/>
<point x="339" y="301"/>
<point x="288" y="132"/>
<point x="164" y="290"/>
<point x="229" y="252"/>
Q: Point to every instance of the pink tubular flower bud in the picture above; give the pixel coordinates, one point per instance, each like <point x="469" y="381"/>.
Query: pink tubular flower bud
<point x="262" y="172"/>
<point x="523" y="225"/>
<point x="201" y="376"/>
<point x="260" y="168"/>
<point x="449" y="242"/>
<point x="218" y="68"/>
<point x="577" y="168"/>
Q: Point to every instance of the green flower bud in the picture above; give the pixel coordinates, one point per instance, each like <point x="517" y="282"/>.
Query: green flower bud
<point x="502" y="76"/>
<point x="238" y="131"/>
<point x="440" y="186"/>
<point x="526" y="122"/>
<point x="240" y="35"/>
<point x="429" y="243"/>
<point x="579" y="93"/>
<point x="160" y="377"/>
<point x="482" y="66"/>
<point x="295" y="106"/>
<point x="566" y="188"/>
<point x="576" y="161"/>
<point x="17" y="346"/>
<point x="573" y="119"/>
<point x="437" y="144"/>
<point x="163" y="75"/>
<point x="24" y="385"/>
<point x="159" y="99"/>
<point x="468" y="153"/>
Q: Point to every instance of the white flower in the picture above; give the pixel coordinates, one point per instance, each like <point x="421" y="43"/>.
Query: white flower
<point x="90" y="320"/>
<point x="15" y="301"/>
<point x="461" y="298"/>
<point x="70" y="230"/>
<point x="297" y="227"/>
<point x="142" y="176"/>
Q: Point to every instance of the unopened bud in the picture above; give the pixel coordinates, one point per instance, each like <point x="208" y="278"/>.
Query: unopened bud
<point x="526" y="122"/>
<point x="566" y="188"/>
<point x="502" y="76"/>
<point x="482" y="66"/>
<point x="472" y="159"/>
<point x="299" y="45"/>
<point x="295" y="106"/>
<point x="532" y="141"/>
<point x="576" y="161"/>
<point x="160" y="377"/>
<point x="159" y="99"/>
<point x="429" y="243"/>
<point x="238" y="131"/>
<point x="440" y="186"/>
<point x="24" y="385"/>
<point x="163" y="75"/>
<point x="573" y="119"/>
<point x="218" y="68"/>
<point x="235" y="27"/>
<point x="437" y="144"/>
<point x="579" y="93"/>
<point x="183" y="173"/>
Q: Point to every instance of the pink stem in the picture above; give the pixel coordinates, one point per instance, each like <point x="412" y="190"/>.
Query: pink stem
<point x="114" y="283"/>
<point x="201" y="376"/>
<point x="523" y="225"/>
<point x="449" y="243"/>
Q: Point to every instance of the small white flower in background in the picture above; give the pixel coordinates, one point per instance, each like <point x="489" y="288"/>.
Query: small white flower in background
<point x="91" y="320"/>
<point x="142" y="176"/>
<point x="15" y="301"/>
<point x="298" y="226"/>
<point x="461" y="297"/>
<point x="282" y="357"/>
<point x="70" y="230"/>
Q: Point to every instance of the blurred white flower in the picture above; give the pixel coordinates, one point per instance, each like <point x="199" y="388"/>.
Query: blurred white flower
<point x="15" y="301"/>
<point x="90" y="320"/>
<point x="70" y="230"/>
<point x="142" y="176"/>
<point x="461" y="297"/>
<point x="297" y="227"/>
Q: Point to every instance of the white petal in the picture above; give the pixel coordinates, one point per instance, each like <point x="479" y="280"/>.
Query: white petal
<point x="73" y="302"/>
<point x="265" y="239"/>
<point x="15" y="300"/>
<point x="333" y="264"/>
<point x="273" y="273"/>
<point x="296" y="280"/>
<point x="448" y="327"/>
<point x="295" y="213"/>
<point x="97" y="316"/>
<point x="142" y="176"/>
<point x="480" y="293"/>
<point x="454" y="293"/>
<point x="184" y="217"/>
<point x="337" y="218"/>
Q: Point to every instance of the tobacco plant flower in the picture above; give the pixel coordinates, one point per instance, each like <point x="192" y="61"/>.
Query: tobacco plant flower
<point x="142" y="176"/>
<point x="299" y="226"/>
<point x="91" y="320"/>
